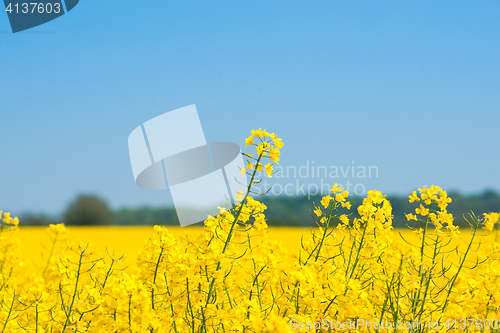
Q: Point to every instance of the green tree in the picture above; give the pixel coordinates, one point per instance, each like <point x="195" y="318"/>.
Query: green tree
<point x="88" y="210"/>
<point x="37" y="220"/>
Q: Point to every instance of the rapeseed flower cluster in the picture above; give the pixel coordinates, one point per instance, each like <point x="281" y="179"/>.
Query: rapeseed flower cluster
<point x="234" y="278"/>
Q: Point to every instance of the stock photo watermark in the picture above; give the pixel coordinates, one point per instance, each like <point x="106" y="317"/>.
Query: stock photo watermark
<point x="356" y="324"/>
<point x="310" y="179"/>
<point x="200" y="175"/>
<point x="24" y="15"/>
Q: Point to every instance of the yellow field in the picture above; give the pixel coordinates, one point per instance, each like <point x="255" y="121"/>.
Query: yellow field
<point x="129" y="240"/>
<point x="125" y="240"/>
<point x="228" y="281"/>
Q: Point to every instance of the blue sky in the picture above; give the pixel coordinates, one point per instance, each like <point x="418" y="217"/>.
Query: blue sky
<point x="412" y="88"/>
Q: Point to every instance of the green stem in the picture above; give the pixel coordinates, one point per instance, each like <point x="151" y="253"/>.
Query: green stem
<point x="324" y="231"/>
<point x="108" y="274"/>
<point x="68" y="316"/>
<point x="416" y="295"/>
<point x="154" y="278"/>
<point x="358" y="253"/>
<point x="36" y="318"/>
<point x="10" y="312"/>
<point x="190" y="306"/>
<point x="454" y="279"/>
<point x="129" y="312"/>
<point x="230" y="234"/>
<point x="429" y="278"/>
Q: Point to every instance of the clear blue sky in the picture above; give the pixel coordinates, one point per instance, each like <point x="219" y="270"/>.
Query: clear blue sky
<point x="411" y="87"/>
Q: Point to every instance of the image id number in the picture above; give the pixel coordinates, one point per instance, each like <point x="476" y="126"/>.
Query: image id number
<point x="34" y="7"/>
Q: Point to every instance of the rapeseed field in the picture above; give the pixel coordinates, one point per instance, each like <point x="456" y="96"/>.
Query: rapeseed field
<point x="237" y="275"/>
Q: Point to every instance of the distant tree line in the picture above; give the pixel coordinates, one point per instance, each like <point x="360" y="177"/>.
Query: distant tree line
<point x="84" y="210"/>
<point x="282" y="211"/>
<point x="296" y="211"/>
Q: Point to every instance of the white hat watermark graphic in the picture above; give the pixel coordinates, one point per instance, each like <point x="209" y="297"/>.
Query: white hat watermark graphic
<point x="171" y="149"/>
